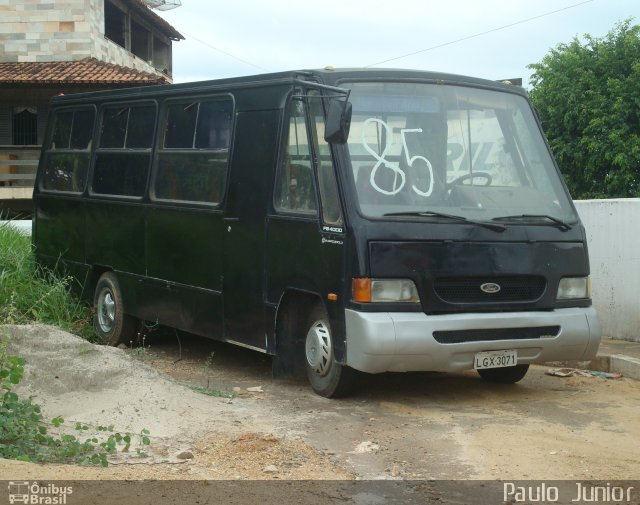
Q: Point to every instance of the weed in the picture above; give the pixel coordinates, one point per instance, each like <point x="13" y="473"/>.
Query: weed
<point x="24" y="434"/>
<point x="179" y="346"/>
<point x="208" y="390"/>
<point x="207" y="366"/>
<point x="211" y="392"/>
<point x="140" y="350"/>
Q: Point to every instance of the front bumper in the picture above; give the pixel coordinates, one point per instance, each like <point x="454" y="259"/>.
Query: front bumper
<point x="403" y="341"/>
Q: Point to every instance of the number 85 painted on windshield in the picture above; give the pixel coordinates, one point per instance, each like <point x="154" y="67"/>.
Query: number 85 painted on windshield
<point x="392" y="165"/>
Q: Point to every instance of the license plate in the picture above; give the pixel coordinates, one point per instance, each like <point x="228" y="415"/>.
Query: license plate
<point x="495" y="359"/>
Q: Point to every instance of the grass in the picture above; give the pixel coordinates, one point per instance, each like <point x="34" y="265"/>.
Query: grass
<point x="29" y="293"/>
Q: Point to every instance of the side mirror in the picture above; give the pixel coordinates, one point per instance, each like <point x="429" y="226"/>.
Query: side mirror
<point x="336" y="129"/>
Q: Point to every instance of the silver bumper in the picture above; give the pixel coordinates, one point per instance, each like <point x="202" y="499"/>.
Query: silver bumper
<point x="403" y="341"/>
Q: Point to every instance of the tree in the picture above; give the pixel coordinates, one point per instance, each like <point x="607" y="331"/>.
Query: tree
<point x="588" y="96"/>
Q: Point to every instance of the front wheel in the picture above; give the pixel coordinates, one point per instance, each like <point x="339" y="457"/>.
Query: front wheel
<point x="327" y="377"/>
<point x="112" y="324"/>
<point x="506" y="375"/>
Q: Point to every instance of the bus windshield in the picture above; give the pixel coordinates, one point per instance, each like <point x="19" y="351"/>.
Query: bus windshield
<point x="421" y="149"/>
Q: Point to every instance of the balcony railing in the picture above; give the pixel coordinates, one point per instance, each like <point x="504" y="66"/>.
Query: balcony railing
<point x="18" y="166"/>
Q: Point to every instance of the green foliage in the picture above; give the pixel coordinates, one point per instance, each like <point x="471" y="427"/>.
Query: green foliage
<point x="25" y="436"/>
<point x="588" y="95"/>
<point x="30" y="293"/>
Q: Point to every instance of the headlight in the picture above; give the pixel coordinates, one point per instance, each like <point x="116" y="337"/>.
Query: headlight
<point x="574" y="287"/>
<point x="367" y="290"/>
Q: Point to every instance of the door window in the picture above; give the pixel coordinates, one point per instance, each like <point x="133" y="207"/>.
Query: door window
<point x="331" y="212"/>
<point x="295" y="188"/>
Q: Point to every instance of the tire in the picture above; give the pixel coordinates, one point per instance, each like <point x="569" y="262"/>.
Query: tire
<point x="506" y="375"/>
<point x="112" y="324"/>
<point x="327" y="377"/>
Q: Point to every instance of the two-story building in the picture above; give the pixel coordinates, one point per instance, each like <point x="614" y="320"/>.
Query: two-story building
<point x="68" y="46"/>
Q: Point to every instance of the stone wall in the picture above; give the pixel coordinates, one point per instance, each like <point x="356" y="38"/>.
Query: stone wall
<point x="59" y="30"/>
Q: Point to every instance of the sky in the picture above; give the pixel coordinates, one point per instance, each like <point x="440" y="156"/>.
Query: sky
<point x="493" y="39"/>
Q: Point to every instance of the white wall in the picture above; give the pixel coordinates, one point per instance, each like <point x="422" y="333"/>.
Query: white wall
<point x="613" y="236"/>
<point x="24" y="226"/>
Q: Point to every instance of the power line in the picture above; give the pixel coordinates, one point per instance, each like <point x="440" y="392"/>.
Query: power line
<point x="480" y="34"/>
<point x="225" y="52"/>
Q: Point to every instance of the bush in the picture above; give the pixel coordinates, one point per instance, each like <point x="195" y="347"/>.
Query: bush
<point x="588" y="95"/>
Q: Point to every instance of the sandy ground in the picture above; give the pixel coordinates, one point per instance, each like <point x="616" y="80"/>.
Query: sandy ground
<point x="399" y="426"/>
<point x="193" y="435"/>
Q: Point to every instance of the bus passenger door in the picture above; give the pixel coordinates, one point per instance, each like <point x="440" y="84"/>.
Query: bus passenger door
<point x="248" y="196"/>
<point x="305" y="238"/>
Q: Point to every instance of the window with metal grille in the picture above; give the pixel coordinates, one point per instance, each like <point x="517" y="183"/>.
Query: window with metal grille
<point x="25" y="126"/>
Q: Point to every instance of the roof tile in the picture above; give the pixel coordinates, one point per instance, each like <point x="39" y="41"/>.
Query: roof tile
<point x="86" y="71"/>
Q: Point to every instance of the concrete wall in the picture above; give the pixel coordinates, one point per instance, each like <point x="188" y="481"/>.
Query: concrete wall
<point x="613" y="235"/>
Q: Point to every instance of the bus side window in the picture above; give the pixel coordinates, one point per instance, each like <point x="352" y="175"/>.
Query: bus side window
<point x="192" y="162"/>
<point x="124" y="152"/>
<point x="295" y="189"/>
<point x="67" y="156"/>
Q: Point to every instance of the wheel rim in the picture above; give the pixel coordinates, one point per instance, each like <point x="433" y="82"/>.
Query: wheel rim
<point x="318" y="348"/>
<point x="106" y="311"/>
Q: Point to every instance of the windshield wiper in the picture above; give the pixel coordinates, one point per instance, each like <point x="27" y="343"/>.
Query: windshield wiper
<point x="559" y="223"/>
<point x="462" y="219"/>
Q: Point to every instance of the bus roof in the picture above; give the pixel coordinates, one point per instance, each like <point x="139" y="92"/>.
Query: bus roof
<point x="326" y="76"/>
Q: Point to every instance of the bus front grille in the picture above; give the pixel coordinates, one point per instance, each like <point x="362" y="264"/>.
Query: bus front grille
<point x="524" y="288"/>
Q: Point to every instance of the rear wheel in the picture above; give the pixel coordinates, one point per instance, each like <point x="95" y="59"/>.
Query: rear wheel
<point x="112" y="324"/>
<point x="506" y="375"/>
<point x="327" y="377"/>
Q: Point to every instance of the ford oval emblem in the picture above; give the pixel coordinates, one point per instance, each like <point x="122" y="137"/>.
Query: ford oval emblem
<point x="490" y="287"/>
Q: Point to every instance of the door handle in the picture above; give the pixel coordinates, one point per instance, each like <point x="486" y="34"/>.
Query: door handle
<point x="230" y="220"/>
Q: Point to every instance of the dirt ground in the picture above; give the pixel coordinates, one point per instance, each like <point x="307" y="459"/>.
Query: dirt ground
<point x="398" y="426"/>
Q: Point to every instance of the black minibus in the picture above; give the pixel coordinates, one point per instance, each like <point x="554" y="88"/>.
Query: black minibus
<point x="342" y="221"/>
